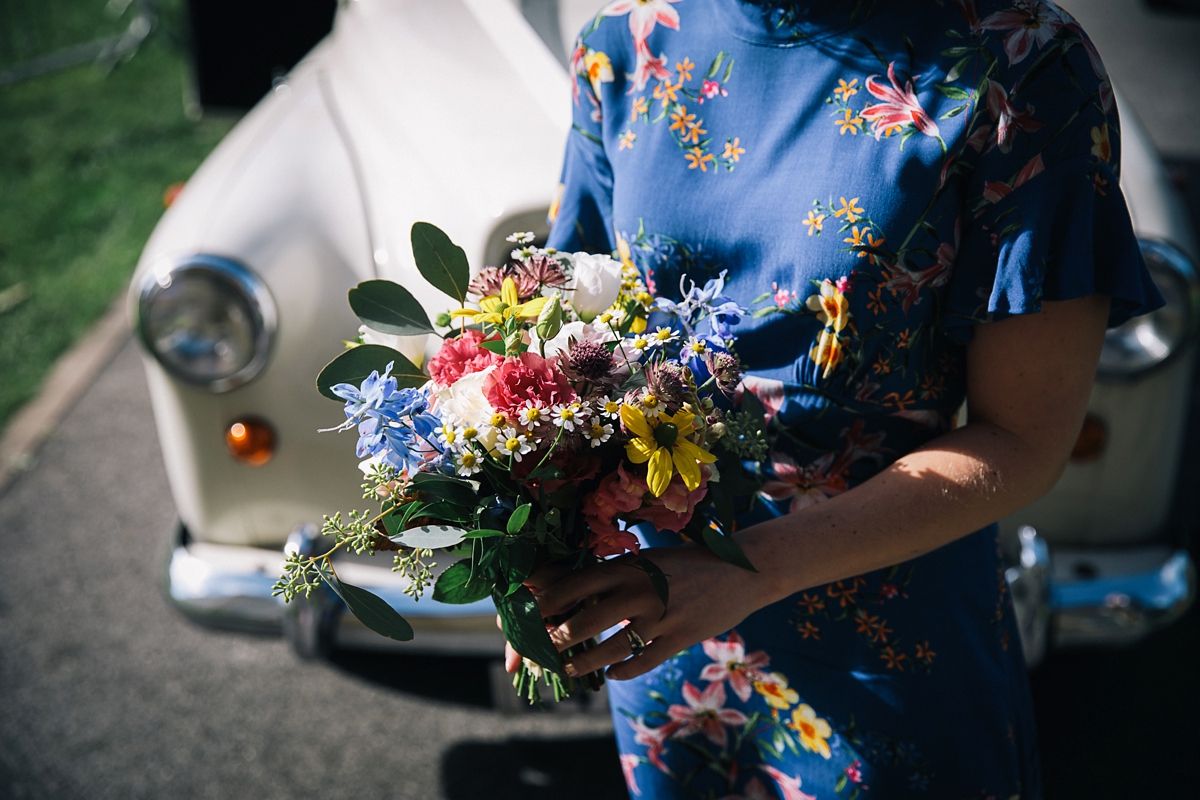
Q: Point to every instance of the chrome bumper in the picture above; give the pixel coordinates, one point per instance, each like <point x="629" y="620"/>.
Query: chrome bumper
<point x="1075" y="597"/>
<point x="227" y="586"/>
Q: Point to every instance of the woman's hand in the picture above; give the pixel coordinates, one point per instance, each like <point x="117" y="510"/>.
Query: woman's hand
<point x="708" y="596"/>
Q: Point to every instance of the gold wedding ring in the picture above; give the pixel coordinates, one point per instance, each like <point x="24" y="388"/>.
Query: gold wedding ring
<point x="637" y="645"/>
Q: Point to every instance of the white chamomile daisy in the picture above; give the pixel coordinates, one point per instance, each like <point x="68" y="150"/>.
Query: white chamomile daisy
<point x="636" y="346"/>
<point x="514" y="444"/>
<point x="520" y="238"/>
<point x="450" y="435"/>
<point x="662" y="337"/>
<point x="533" y="413"/>
<point x="695" y="347"/>
<point x="469" y="434"/>
<point x="611" y="408"/>
<point x="467" y="463"/>
<point x="567" y="416"/>
<point x="651" y="405"/>
<point x="598" y="433"/>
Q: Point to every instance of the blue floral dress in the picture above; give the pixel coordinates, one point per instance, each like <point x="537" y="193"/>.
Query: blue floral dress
<point x="879" y="177"/>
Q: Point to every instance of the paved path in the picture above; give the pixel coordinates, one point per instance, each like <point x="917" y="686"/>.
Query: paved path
<point x="106" y="692"/>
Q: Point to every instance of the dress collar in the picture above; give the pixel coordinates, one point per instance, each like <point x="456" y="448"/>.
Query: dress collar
<point x="793" y="23"/>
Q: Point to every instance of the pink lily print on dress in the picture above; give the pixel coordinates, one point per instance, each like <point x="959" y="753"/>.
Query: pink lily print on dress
<point x="995" y="191"/>
<point x="644" y="16"/>
<point x="731" y="662"/>
<point x="1008" y="120"/>
<point x="899" y="107"/>
<point x="705" y="713"/>
<point x="789" y="786"/>
<point x="824" y="477"/>
<point x="908" y="284"/>
<point x="654" y="739"/>
<point x="1028" y="22"/>
<point x="629" y="763"/>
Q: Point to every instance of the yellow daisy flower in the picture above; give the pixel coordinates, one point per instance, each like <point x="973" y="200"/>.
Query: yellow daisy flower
<point x="812" y="729"/>
<point x="665" y="446"/>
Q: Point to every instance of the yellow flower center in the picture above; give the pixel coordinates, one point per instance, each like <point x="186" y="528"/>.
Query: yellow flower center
<point x="533" y="414"/>
<point x="499" y="420"/>
<point x="597" y="430"/>
<point x="605" y="318"/>
<point x="663" y="334"/>
<point x="512" y="444"/>
<point x="469" y="460"/>
<point x="469" y="434"/>
<point x="650" y="401"/>
<point x="567" y="414"/>
<point x="640" y="343"/>
<point x="612" y="407"/>
<point x="644" y="298"/>
<point x="698" y="348"/>
<point x="666" y="434"/>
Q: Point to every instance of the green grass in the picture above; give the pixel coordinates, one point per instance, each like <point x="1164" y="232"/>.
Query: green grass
<point x="84" y="159"/>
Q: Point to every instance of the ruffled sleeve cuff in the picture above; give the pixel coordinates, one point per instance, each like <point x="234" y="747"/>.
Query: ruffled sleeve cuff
<point x="1063" y="234"/>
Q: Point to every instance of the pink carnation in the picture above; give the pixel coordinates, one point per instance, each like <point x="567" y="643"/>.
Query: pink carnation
<point x="674" y="509"/>
<point x="526" y="377"/>
<point x="459" y="357"/>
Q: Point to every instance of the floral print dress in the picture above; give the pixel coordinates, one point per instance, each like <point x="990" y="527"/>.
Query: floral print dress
<point x="877" y="178"/>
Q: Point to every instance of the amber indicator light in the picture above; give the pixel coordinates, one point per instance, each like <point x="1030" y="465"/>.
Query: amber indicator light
<point x="1092" y="439"/>
<point x="251" y="441"/>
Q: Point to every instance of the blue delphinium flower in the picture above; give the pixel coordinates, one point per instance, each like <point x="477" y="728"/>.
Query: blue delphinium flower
<point x="394" y="425"/>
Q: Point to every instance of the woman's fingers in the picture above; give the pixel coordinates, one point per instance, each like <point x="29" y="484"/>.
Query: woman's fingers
<point x="612" y="650"/>
<point x="566" y="592"/>
<point x="512" y="659"/>
<point x="547" y="575"/>
<point x="656" y="653"/>
<point x="595" y="620"/>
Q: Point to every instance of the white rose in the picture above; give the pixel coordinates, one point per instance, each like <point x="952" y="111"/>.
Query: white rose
<point x="595" y="285"/>
<point x="465" y="404"/>
<point x="412" y="347"/>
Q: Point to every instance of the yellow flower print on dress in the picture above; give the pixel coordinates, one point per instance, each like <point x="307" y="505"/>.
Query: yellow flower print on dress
<point x="698" y="158"/>
<point x="851" y="211"/>
<point x="850" y="123"/>
<point x="833" y="311"/>
<point x="733" y="150"/>
<point x="814" y="222"/>
<point x="813" y="730"/>
<point x="1101" y="147"/>
<point x="598" y="68"/>
<point x="627" y="140"/>
<point x="845" y="91"/>
<point x="776" y="692"/>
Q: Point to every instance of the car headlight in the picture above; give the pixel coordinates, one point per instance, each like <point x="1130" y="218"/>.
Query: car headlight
<point x="1151" y="340"/>
<point x="208" y="320"/>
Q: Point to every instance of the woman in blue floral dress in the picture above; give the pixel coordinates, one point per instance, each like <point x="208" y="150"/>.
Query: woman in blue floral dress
<point x="922" y="199"/>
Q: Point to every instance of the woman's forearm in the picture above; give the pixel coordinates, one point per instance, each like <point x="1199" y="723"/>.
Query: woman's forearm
<point x="1029" y="379"/>
<point x="958" y="483"/>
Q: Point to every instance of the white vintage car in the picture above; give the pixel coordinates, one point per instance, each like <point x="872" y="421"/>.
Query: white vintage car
<point x="457" y="112"/>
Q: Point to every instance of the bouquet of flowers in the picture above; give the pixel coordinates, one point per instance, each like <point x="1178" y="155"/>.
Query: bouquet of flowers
<point x="565" y="404"/>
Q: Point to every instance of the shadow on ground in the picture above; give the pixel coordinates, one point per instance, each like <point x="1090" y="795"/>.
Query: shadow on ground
<point x="453" y="680"/>
<point x="532" y="769"/>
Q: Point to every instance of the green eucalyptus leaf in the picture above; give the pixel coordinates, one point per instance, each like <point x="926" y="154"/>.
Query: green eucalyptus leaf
<point x="430" y="537"/>
<point x="525" y="630"/>
<point x="518" y="519"/>
<point x="725" y="548"/>
<point x="441" y="261"/>
<point x="372" y="611"/>
<point x="522" y="555"/>
<point x="389" y="308"/>
<point x="483" y="533"/>
<point x="454" y="490"/>
<point x="354" y="365"/>
<point x="455" y="586"/>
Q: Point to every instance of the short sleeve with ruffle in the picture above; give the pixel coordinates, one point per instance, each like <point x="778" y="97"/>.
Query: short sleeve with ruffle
<point x="1044" y="216"/>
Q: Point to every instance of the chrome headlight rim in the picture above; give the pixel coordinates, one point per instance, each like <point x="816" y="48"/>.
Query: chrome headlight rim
<point x="1184" y="269"/>
<point x="260" y="302"/>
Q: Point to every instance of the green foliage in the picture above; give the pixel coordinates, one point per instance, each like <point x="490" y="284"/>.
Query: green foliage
<point x="87" y="155"/>
<point x="411" y="564"/>
<point x="389" y="308"/>
<point x="373" y="611"/>
<point x="524" y="629"/>
<point x="354" y="365"/>
<point x="456" y="586"/>
<point x="440" y="261"/>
